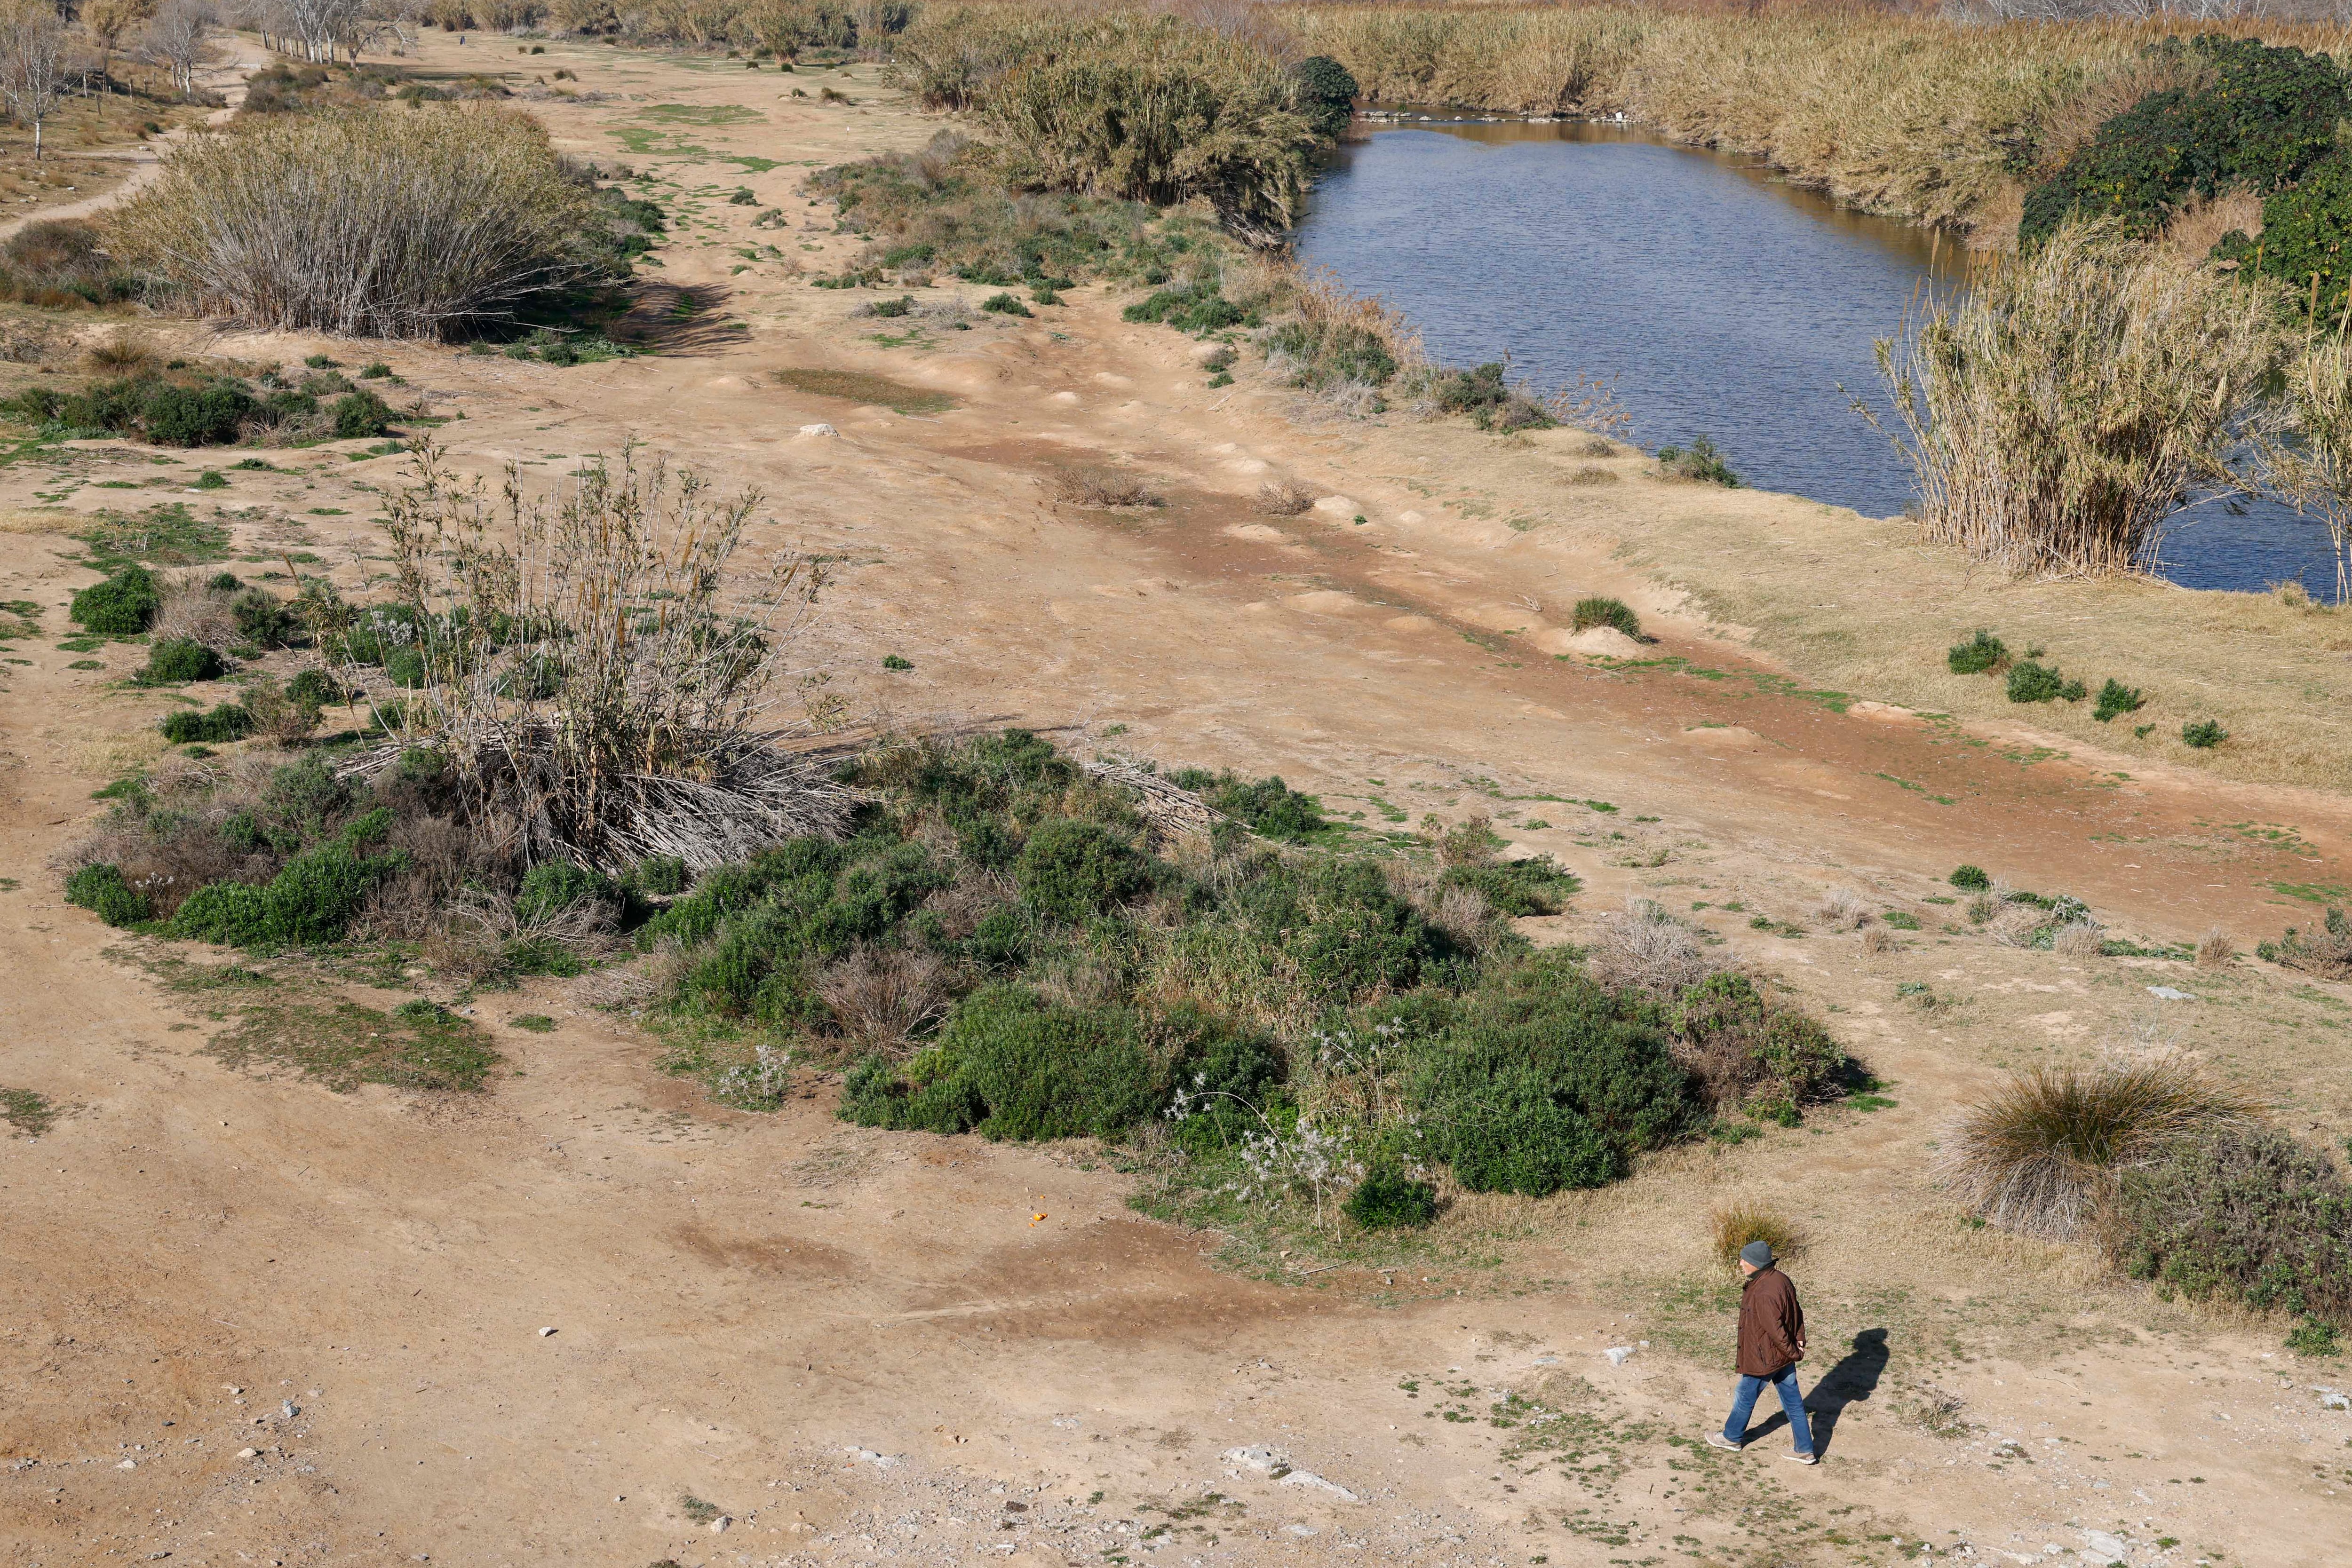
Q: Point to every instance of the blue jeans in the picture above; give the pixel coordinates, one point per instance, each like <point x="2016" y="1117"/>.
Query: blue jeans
<point x="1783" y="1382"/>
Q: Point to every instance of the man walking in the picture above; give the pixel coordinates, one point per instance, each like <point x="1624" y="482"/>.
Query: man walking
<point x="1771" y="1343"/>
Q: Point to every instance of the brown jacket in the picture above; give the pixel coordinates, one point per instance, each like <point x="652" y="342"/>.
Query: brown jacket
<point x="1772" y="1324"/>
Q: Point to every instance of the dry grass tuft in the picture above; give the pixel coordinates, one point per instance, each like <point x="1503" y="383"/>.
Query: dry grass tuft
<point x="1737" y="1224"/>
<point x="1648" y="950"/>
<point x="1841" y="909"/>
<point x="881" y="998"/>
<point x="2079" y="940"/>
<point x="189" y="608"/>
<point x="2040" y="1156"/>
<point x="1879" y="939"/>
<point x="123" y="353"/>
<point x="2215" y="950"/>
<point x="1284" y="498"/>
<point x="1104" y="488"/>
<point x="1591" y="475"/>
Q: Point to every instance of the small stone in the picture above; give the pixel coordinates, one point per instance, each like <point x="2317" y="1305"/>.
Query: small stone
<point x="1619" y="1354"/>
<point x="2167" y="994"/>
<point x="719" y="1526"/>
<point x="820" y="428"/>
<point x="128" y="1465"/>
<point x="248" y="1453"/>
<point x="1256" y="1457"/>
<point x="1309" y="1478"/>
<point x="544" y="1333"/>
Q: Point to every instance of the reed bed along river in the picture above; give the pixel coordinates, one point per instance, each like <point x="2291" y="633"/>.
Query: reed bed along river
<point x="1725" y="301"/>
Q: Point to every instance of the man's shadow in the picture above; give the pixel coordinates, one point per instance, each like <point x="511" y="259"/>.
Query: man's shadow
<point x="1854" y="1379"/>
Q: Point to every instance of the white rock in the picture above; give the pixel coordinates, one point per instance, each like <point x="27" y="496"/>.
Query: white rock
<point x="128" y="1465"/>
<point x="719" y="1526"/>
<point x="248" y="1453"/>
<point x="1337" y="505"/>
<point x="2105" y="1548"/>
<point x="820" y="428"/>
<point x="2330" y="1399"/>
<point x="1302" y="1531"/>
<point x="1619" y="1354"/>
<point x="544" y="1333"/>
<point x="1309" y="1478"/>
<point x="879" y="1461"/>
<point x="1256" y="1457"/>
<point x="2166" y="994"/>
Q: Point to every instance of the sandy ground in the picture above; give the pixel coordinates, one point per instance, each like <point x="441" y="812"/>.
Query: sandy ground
<point x="250" y="1320"/>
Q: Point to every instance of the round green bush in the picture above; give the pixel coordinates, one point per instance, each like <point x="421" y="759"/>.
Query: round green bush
<point x="1970" y="878"/>
<point x="2032" y="683"/>
<point x="313" y="688"/>
<point x="182" y="659"/>
<point x="1611" y="612"/>
<point x="1327" y="93"/>
<point x="228" y="721"/>
<point x="1071" y="869"/>
<point x="122" y="606"/>
<point x="1387" y="1200"/>
<point x="195" y="416"/>
<point x="102" y="890"/>
<point x="361" y="415"/>
<point x="406" y="668"/>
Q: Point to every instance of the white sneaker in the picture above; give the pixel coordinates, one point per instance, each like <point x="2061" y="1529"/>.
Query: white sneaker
<point x="1802" y="1459"/>
<point x="1717" y="1440"/>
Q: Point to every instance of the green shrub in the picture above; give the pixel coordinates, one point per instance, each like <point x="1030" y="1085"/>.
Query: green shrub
<point x="2114" y="698"/>
<point x="262" y="619"/>
<point x="1011" y="1065"/>
<point x="1072" y="870"/>
<point x="1970" y="878"/>
<point x="228" y="721"/>
<point x="122" y="606"/>
<point x="1198" y="306"/>
<point x="2323" y="949"/>
<point x="314" y="688"/>
<point x="894" y="662"/>
<point x="1269" y="807"/>
<point x="1387" y="1200"/>
<point x="361" y="413"/>
<point x="195" y="416"/>
<point x="1327" y="94"/>
<point x="102" y="890"/>
<point x="311" y="900"/>
<point x="1533" y="887"/>
<point x="663" y="876"/>
<point x="1979" y="655"/>
<point x="176" y="659"/>
<point x="2030" y="682"/>
<point x="2248" y="1215"/>
<point x="553" y="886"/>
<point x="1540" y="1082"/>
<point x="2266" y="116"/>
<point x="1701" y="462"/>
<point x="1611" y="612"/>
<point x="1491" y="403"/>
<point x="406" y="667"/>
<point x="2203" y="733"/>
<point x="1005" y="305"/>
<point x="1752" y="1055"/>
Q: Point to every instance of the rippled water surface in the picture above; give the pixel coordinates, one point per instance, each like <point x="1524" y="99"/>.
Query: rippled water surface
<point x="1723" y="303"/>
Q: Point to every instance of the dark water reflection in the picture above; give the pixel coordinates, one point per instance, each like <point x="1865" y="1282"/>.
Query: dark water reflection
<point x="1723" y="301"/>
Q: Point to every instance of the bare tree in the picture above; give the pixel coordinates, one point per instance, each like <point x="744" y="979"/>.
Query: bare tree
<point x="178" y="39"/>
<point x="31" y="62"/>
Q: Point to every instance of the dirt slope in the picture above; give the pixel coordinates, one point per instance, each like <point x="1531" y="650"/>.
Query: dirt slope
<point x="866" y="1348"/>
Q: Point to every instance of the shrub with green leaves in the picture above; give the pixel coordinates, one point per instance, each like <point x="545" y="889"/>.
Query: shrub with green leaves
<point x="1327" y="93"/>
<point x="2259" y="118"/>
<point x="195" y="416"/>
<point x="311" y="900"/>
<point x="554" y="886"/>
<point x="1197" y="307"/>
<point x="1970" y="878"/>
<point x="1980" y="654"/>
<point x="225" y="722"/>
<point x="2031" y="682"/>
<point x="1536" y="885"/>
<point x="122" y="606"/>
<point x="2117" y="698"/>
<point x="1614" y="613"/>
<point x="1388" y="1199"/>
<point x="1268" y="806"/>
<point x="1071" y="870"/>
<point x="1702" y="461"/>
<point x="102" y="890"/>
<point x="1491" y="403"/>
<point x="361" y="415"/>
<point x="177" y="659"/>
<point x="2203" y="734"/>
<point x="1752" y="1054"/>
<point x="2246" y="1216"/>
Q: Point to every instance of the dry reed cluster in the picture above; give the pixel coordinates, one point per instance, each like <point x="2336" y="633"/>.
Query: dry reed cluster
<point x="2065" y="408"/>
<point x="599" y="700"/>
<point x="369" y="223"/>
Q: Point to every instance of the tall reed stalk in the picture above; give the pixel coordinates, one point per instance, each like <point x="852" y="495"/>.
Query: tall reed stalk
<point x="2058" y="414"/>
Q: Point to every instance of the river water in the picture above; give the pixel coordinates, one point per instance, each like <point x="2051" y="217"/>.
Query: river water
<point x="1724" y="302"/>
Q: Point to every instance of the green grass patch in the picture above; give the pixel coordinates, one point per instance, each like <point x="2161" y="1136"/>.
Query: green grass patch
<point x="340" y="1045"/>
<point x="856" y="386"/>
<point x="26" y="1111"/>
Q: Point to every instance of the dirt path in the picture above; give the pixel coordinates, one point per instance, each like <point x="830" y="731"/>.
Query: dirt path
<point x="866" y="1348"/>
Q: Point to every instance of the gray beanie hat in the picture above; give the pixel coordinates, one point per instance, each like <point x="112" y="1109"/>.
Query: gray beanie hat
<point x="1759" y="1253"/>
